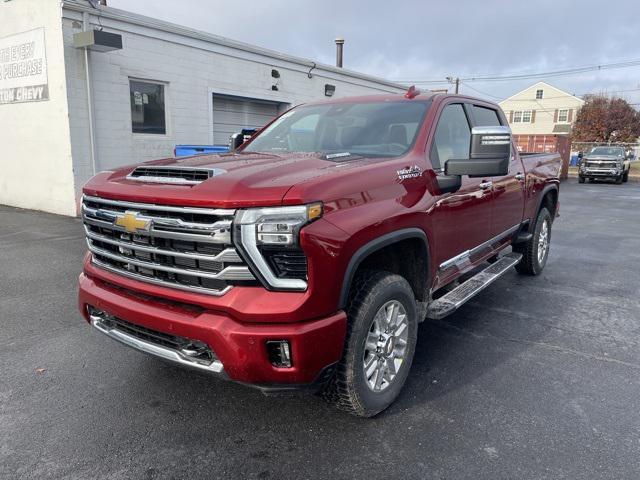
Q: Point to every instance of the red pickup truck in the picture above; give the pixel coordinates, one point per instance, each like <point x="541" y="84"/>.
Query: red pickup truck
<point x="307" y="257"/>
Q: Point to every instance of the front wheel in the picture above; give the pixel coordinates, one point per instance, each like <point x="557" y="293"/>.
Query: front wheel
<point x="380" y="344"/>
<point x="625" y="177"/>
<point x="536" y="251"/>
<point x="580" y="179"/>
<point x="619" y="180"/>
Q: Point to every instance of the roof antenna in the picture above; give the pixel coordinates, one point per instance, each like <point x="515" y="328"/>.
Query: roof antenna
<point x="413" y="92"/>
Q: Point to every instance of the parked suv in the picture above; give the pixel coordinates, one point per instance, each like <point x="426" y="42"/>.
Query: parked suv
<point x="308" y="257"/>
<point x="605" y="162"/>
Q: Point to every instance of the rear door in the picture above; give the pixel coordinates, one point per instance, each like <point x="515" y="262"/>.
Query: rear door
<point x="508" y="190"/>
<point x="462" y="220"/>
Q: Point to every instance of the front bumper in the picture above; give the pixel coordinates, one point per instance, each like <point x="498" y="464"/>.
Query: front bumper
<point x="239" y="347"/>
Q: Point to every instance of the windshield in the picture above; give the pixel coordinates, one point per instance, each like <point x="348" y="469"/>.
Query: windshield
<point x="607" y="151"/>
<point x="376" y="129"/>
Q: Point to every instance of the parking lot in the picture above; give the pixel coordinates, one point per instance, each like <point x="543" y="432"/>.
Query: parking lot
<point x="536" y="378"/>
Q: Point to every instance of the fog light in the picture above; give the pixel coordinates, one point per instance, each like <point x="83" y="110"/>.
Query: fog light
<point x="279" y="352"/>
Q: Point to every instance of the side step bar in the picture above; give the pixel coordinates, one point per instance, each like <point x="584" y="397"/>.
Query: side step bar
<point x="460" y="295"/>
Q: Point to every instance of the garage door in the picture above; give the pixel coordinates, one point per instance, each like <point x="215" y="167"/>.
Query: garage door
<point x="232" y="114"/>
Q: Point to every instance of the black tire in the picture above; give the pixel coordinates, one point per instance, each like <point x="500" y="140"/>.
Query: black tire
<point x="349" y="389"/>
<point x="591" y="180"/>
<point x="625" y="177"/>
<point x="580" y="179"/>
<point x="530" y="263"/>
<point x="619" y="180"/>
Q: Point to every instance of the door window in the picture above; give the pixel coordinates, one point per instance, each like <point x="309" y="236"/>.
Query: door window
<point x="485" y="117"/>
<point x="452" y="138"/>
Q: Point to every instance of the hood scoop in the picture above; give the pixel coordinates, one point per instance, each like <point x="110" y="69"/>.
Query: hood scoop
<point x="174" y="175"/>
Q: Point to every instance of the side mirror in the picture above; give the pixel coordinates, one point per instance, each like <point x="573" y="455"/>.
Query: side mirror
<point x="235" y="141"/>
<point x="489" y="156"/>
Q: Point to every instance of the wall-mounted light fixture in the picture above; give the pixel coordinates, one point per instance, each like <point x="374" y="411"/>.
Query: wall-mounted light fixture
<point x="329" y="89"/>
<point x="98" y="40"/>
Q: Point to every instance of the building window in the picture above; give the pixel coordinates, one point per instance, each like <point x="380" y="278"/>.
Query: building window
<point x="522" y="116"/>
<point x="538" y="94"/>
<point x="147" y="107"/>
<point x="563" y="116"/>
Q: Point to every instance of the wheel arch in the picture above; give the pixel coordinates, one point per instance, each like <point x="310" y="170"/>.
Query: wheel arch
<point x="416" y="273"/>
<point x="548" y="198"/>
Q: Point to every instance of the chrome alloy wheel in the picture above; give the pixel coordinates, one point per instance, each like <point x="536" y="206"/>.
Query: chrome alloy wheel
<point x="385" y="346"/>
<point x="543" y="242"/>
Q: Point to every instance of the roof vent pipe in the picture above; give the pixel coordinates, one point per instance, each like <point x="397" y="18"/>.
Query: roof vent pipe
<point x="339" y="50"/>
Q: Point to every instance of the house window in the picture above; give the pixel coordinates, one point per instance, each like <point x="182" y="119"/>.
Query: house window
<point x="538" y="94"/>
<point x="147" y="107"/>
<point x="563" y="116"/>
<point x="522" y="116"/>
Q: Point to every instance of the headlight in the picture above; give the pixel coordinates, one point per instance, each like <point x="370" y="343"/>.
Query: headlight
<point x="268" y="236"/>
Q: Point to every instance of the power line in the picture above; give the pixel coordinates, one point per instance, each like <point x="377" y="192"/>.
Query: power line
<point x="530" y="100"/>
<point x="524" y="76"/>
<point x="480" y="91"/>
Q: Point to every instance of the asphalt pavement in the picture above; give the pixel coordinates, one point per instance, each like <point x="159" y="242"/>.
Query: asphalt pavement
<point x="536" y="378"/>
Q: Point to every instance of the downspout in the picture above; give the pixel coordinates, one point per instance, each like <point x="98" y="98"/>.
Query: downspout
<point x="87" y="73"/>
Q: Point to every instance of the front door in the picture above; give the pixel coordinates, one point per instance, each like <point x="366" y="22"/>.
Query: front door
<point x="508" y="190"/>
<point x="461" y="220"/>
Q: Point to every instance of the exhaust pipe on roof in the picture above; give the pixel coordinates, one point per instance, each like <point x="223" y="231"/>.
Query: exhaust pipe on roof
<point x="339" y="50"/>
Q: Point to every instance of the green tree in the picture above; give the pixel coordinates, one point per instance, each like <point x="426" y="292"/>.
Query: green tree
<point x="604" y="119"/>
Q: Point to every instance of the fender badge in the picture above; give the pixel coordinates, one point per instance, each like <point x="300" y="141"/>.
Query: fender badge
<point x="409" y="172"/>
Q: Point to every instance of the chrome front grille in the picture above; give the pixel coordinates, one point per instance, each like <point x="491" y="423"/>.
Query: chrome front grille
<point x="601" y="164"/>
<point x="186" y="248"/>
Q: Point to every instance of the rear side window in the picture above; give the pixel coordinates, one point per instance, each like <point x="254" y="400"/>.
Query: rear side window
<point x="452" y="138"/>
<point x="485" y="117"/>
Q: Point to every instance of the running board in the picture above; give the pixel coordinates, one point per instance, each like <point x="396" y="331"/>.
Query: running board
<point x="460" y="295"/>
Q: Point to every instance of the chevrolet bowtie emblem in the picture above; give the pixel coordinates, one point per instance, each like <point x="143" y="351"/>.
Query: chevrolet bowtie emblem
<point x="133" y="222"/>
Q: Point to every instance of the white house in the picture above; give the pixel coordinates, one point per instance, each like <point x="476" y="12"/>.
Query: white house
<point x="72" y="105"/>
<point x="541" y="109"/>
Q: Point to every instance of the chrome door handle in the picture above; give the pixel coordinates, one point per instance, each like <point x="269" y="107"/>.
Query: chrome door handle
<point x="485" y="185"/>
<point x="519" y="176"/>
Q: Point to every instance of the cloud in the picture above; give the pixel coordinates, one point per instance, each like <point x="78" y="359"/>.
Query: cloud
<point x="433" y="39"/>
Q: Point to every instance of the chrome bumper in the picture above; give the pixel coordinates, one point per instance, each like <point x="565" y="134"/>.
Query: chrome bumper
<point x="165" y="353"/>
<point x="608" y="172"/>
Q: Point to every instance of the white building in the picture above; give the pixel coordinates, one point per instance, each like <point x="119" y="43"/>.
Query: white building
<point x="541" y="109"/>
<point x="68" y="112"/>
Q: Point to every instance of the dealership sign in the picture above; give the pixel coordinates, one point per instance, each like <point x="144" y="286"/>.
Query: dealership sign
<point x="23" y="68"/>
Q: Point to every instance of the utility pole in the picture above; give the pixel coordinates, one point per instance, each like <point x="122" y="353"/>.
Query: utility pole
<point x="455" y="81"/>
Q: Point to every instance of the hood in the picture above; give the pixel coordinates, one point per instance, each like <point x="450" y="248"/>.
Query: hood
<point x="245" y="180"/>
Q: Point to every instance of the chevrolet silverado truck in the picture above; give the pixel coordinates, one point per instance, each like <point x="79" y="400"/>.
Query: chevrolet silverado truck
<point x="605" y="162"/>
<point x="307" y="257"/>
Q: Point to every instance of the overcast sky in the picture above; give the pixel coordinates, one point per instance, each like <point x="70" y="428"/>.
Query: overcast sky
<point x="417" y="40"/>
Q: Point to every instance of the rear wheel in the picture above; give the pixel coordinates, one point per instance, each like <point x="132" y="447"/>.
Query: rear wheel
<point x="380" y="344"/>
<point x="536" y="251"/>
